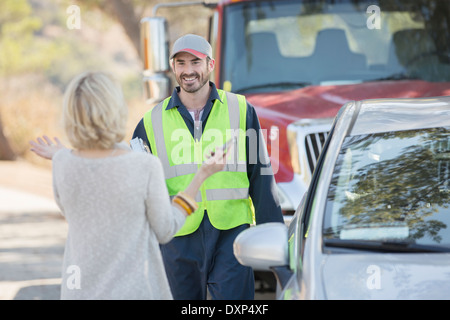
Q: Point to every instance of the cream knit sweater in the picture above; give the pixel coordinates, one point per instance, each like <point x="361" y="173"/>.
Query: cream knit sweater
<point x="118" y="211"/>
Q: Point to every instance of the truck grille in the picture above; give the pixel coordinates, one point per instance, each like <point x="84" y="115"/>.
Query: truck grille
<point x="313" y="145"/>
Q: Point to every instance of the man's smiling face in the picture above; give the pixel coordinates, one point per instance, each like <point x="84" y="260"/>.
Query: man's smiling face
<point x="191" y="72"/>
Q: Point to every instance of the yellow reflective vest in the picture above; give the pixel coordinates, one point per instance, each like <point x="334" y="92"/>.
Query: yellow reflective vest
<point x="225" y="195"/>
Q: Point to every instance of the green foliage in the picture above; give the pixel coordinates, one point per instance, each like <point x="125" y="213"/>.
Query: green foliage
<point x="34" y="39"/>
<point x="19" y="51"/>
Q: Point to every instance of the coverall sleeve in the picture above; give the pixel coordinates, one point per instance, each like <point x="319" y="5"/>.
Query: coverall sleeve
<point x="262" y="189"/>
<point x="139" y="132"/>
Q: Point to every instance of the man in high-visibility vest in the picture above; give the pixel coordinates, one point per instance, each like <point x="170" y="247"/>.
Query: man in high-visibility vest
<point x="182" y="130"/>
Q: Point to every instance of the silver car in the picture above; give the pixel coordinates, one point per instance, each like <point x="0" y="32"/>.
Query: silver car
<point x="375" y="222"/>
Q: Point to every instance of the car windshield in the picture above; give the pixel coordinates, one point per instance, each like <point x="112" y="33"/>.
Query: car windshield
<point x="391" y="186"/>
<point x="294" y="44"/>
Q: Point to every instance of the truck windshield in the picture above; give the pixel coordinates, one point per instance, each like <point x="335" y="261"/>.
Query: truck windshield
<point x="283" y="45"/>
<point x="391" y="188"/>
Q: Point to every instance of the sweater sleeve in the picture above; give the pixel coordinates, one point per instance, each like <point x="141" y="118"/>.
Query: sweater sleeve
<point x="164" y="219"/>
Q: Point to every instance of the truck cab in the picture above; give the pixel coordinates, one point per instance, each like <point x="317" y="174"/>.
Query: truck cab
<point x="298" y="62"/>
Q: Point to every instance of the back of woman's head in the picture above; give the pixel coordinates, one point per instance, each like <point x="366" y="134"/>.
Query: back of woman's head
<point x="94" y="111"/>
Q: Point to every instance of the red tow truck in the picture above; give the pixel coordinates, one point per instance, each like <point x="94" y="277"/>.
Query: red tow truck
<point x="298" y="62"/>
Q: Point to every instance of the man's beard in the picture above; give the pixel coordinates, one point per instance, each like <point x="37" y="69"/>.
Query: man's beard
<point x="193" y="88"/>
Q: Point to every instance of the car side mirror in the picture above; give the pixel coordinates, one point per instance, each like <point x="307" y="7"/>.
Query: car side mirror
<point x="263" y="247"/>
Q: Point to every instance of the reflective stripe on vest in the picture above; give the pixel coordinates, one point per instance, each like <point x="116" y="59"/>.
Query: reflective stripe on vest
<point x="222" y="194"/>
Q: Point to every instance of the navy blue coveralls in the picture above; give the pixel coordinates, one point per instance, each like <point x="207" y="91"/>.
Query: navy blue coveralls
<point x="204" y="259"/>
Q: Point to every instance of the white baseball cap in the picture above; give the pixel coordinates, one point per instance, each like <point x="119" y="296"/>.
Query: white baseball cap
<point x="192" y="44"/>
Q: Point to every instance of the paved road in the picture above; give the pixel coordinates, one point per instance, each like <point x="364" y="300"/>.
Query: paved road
<point x="32" y="234"/>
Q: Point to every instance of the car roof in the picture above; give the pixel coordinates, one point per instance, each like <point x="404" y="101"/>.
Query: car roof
<point x="384" y="115"/>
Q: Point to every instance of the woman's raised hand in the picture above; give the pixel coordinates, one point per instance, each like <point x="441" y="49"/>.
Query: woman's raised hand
<point x="45" y="147"/>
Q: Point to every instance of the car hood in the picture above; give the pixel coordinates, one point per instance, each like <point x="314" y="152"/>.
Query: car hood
<point x="325" y="101"/>
<point x="386" y="276"/>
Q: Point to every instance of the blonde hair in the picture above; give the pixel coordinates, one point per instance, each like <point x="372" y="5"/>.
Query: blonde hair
<point x="94" y="111"/>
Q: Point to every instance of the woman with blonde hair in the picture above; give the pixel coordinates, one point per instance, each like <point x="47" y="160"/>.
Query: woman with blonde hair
<point x="115" y="201"/>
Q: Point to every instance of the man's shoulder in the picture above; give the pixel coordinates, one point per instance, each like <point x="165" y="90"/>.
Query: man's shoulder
<point x="139" y="131"/>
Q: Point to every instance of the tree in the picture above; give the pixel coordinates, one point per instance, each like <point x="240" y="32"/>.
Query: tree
<point x="6" y="153"/>
<point x="16" y="28"/>
<point x="130" y="12"/>
<point x="125" y="12"/>
<point x="20" y="52"/>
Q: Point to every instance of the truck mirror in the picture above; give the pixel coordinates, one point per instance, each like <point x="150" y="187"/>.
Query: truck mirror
<point x="155" y="58"/>
<point x="156" y="87"/>
<point x="155" y="44"/>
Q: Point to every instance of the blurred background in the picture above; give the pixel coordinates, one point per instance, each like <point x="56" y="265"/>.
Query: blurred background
<point x="45" y="43"/>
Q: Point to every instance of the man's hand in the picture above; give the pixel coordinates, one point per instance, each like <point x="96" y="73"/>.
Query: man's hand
<point x="45" y="147"/>
<point x="216" y="161"/>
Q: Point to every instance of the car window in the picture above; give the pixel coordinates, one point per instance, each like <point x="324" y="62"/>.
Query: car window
<point x="392" y="186"/>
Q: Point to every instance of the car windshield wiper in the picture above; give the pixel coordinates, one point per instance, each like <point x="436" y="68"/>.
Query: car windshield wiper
<point x="275" y="85"/>
<point x="395" y="76"/>
<point x="384" y="245"/>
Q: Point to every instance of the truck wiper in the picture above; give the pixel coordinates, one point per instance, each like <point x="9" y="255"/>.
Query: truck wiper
<point x="395" y="76"/>
<point x="384" y="245"/>
<point x="275" y="85"/>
